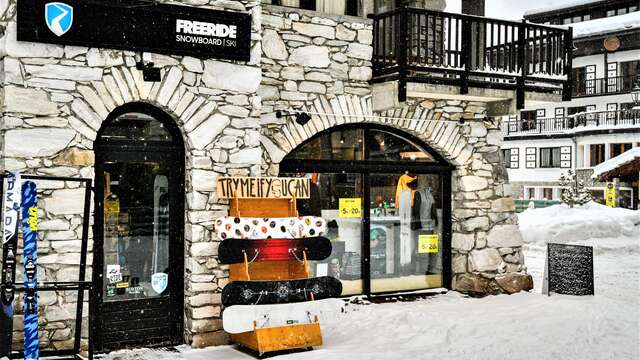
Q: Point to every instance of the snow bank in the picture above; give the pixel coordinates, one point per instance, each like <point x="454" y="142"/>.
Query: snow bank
<point x="561" y="224"/>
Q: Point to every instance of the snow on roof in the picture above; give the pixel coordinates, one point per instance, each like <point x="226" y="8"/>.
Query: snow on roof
<point x="606" y="25"/>
<point x="559" y="5"/>
<point x="616" y="162"/>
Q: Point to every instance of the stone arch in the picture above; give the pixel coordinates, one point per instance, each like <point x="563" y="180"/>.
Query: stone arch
<point x="121" y="85"/>
<point x="423" y="120"/>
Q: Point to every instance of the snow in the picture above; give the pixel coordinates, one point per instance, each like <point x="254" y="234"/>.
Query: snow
<point x="606" y="25"/>
<point x="520" y="326"/>
<point x="616" y="162"/>
<point x="559" y="5"/>
<point x="561" y="224"/>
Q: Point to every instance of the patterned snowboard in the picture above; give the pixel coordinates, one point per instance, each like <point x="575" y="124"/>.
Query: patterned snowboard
<point x="240" y="318"/>
<point x="280" y="292"/>
<point x="232" y="251"/>
<point x="268" y="228"/>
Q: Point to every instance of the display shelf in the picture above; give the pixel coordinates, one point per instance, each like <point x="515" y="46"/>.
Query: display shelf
<point x="264" y="340"/>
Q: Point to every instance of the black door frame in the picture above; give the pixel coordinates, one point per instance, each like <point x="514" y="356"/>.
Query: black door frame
<point x="112" y="150"/>
<point x="367" y="167"/>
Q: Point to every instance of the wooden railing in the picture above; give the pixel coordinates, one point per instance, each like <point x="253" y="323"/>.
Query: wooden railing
<point x="418" y="45"/>
<point x="583" y="121"/>
<point x="601" y="86"/>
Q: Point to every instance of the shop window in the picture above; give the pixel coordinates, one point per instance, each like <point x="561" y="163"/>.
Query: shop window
<point x="618" y="149"/>
<point x="397" y="231"/>
<point x="596" y="154"/>
<point x="506" y="158"/>
<point x="332" y="7"/>
<point x="550" y="157"/>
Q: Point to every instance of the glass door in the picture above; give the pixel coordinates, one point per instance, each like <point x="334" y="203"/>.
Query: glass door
<point x="405" y="232"/>
<point x="138" y="234"/>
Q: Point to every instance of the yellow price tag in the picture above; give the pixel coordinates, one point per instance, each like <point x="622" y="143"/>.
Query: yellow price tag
<point x="428" y="244"/>
<point x="350" y="208"/>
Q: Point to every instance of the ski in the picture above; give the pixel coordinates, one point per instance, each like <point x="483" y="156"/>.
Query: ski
<point x="11" y="216"/>
<point x="30" y="261"/>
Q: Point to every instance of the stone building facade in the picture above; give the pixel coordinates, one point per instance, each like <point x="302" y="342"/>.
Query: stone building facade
<point x="56" y="98"/>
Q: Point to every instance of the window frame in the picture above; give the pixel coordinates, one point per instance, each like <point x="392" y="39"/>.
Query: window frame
<point x="551" y="151"/>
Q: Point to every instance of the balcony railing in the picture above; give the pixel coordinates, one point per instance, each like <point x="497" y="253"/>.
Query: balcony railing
<point x="611" y="85"/>
<point x="575" y="123"/>
<point x="418" y="45"/>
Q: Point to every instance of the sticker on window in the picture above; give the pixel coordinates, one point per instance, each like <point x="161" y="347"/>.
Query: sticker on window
<point x="113" y="274"/>
<point x="159" y="282"/>
<point x="428" y="244"/>
<point x="350" y="208"/>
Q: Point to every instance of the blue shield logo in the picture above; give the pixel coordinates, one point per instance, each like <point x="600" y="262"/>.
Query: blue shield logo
<point x="59" y="17"/>
<point x="159" y="282"/>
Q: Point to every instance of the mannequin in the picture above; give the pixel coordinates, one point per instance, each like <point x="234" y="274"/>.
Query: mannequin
<point x="404" y="204"/>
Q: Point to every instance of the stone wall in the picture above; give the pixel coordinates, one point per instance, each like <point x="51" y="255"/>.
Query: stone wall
<point x="57" y="97"/>
<point x="322" y="64"/>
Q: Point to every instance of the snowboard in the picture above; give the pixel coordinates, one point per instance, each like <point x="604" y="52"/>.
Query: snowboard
<point x="30" y="261"/>
<point x="279" y="292"/>
<point x="232" y="251"/>
<point x="241" y="318"/>
<point x="10" y="221"/>
<point x="269" y="228"/>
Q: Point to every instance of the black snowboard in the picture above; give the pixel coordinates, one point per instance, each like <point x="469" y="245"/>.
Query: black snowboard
<point x="280" y="292"/>
<point x="232" y="251"/>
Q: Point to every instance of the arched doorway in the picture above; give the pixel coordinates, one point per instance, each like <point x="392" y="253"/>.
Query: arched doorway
<point x="139" y="230"/>
<point x="387" y="198"/>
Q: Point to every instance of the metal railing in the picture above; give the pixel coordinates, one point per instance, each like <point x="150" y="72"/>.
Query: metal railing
<point x="419" y="45"/>
<point x="578" y="122"/>
<point x="610" y="85"/>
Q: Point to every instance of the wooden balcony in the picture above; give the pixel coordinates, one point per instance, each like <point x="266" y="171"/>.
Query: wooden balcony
<point x="602" y="120"/>
<point x="431" y="47"/>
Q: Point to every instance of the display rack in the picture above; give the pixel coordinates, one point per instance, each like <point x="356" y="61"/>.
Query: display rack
<point x="263" y="340"/>
<point x="79" y="286"/>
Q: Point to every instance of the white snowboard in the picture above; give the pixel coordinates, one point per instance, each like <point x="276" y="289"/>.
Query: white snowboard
<point x="240" y="318"/>
<point x="229" y="227"/>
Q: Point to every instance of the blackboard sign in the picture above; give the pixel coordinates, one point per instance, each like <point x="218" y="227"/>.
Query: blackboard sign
<point x="569" y="269"/>
<point x="138" y="26"/>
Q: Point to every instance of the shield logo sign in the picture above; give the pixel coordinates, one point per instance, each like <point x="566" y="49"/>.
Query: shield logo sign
<point x="159" y="282"/>
<point x="59" y="17"/>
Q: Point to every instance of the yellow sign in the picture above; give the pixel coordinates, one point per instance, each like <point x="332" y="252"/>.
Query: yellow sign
<point x="610" y="195"/>
<point x="350" y="208"/>
<point x="428" y="244"/>
<point x="265" y="187"/>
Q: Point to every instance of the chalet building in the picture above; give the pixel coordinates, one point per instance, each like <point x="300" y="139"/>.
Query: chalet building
<point x="357" y="93"/>
<point x="599" y="123"/>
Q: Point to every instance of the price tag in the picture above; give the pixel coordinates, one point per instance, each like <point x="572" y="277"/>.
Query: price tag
<point x="350" y="208"/>
<point x="428" y="244"/>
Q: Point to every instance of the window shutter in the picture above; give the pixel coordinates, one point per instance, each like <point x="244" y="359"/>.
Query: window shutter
<point x="531" y="158"/>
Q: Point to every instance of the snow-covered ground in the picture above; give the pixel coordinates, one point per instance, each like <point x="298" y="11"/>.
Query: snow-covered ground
<point x="521" y="326"/>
